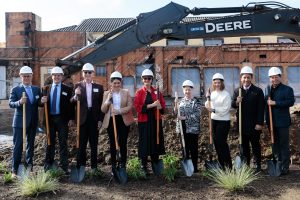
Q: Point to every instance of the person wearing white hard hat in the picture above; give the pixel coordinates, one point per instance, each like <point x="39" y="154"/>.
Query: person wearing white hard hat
<point x="252" y="104"/>
<point x="190" y="111"/>
<point x="16" y="101"/>
<point x="117" y="102"/>
<point x="282" y="98"/>
<point x="61" y="115"/>
<point x="90" y="95"/>
<point x="220" y="116"/>
<point x="147" y="101"/>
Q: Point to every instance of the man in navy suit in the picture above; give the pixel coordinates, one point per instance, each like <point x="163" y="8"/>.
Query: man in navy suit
<point x="282" y="98"/>
<point x="57" y="96"/>
<point x="16" y="101"/>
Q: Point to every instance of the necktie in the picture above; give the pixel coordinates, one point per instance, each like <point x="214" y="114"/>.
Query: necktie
<point x="29" y="93"/>
<point x="54" y="96"/>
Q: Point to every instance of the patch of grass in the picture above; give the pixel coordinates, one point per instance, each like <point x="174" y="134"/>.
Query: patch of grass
<point x="8" y="178"/>
<point x="37" y="184"/>
<point x="97" y="173"/>
<point x="134" y="169"/>
<point x="3" y="168"/>
<point x="55" y="173"/>
<point x="233" y="179"/>
<point x="171" y="163"/>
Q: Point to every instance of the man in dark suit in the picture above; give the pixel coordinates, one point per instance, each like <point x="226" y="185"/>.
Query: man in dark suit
<point x="16" y="101"/>
<point x="57" y="96"/>
<point x="252" y="115"/>
<point x="90" y="95"/>
<point x="282" y="98"/>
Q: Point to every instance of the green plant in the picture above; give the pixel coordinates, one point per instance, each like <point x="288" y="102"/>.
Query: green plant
<point x="233" y="179"/>
<point x="8" y="177"/>
<point x="55" y="173"/>
<point x="2" y="168"/>
<point x="170" y="166"/>
<point x="38" y="183"/>
<point x="95" y="173"/>
<point x="134" y="169"/>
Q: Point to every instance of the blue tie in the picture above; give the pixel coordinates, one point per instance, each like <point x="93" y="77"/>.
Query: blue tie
<point x="54" y="97"/>
<point x="29" y="93"/>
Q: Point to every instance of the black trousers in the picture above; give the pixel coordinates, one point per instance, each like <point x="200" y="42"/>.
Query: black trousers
<point x="191" y="148"/>
<point x="281" y="147"/>
<point x="220" y="132"/>
<point x="88" y="133"/>
<point x="122" y="134"/>
<point x="56" y="124"/>
<point x="253" y="139"/>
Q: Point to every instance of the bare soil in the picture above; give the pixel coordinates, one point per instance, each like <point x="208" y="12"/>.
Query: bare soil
<point x="196" y="187"/>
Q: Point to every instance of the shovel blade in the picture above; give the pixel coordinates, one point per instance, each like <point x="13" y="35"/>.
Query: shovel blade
<point x="274" y="167"/>
<point x="157" y="167"/>
<point x="211" y="164"/>
<point x="122" y="175"/>
<point x="77" y="174"/>
<point x="187" y="167"/>
<point x="238" y="162"/>
<point x="22" y="172"/>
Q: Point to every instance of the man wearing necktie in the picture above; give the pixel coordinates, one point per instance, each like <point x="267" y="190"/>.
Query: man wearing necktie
<point x="57" y="96"/>
<point x="252" y="116"/>
<point x="90" y="95"/>
<point x="16" y="101"/>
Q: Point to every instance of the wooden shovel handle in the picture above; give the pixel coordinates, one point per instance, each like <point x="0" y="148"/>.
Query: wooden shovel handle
<point x="271" y="122"/>
<point x="115" y="129"/>
<point x="24" y="122"/>
<point x="78" y="123"/>
<point x="47" y="124"/>
<point x="240" y="117"/>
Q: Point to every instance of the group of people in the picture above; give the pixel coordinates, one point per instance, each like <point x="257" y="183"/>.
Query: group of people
<point x="112" y="110"/>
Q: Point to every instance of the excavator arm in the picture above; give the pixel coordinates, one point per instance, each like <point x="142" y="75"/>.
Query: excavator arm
<point x="271" y="18"/>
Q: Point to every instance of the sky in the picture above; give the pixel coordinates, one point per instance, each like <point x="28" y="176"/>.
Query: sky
<point x="61" y="13"/>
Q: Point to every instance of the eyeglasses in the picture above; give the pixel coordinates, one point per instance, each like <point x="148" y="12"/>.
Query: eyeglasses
<point x="88" y="72"/>
<point x="147" y="78"/>
<point x="25" y="76"/>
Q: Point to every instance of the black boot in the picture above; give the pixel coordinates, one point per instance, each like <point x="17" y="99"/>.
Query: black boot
<point x="258" y="168"/>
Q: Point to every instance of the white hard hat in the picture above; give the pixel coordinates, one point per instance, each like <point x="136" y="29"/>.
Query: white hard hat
<point x="25" y="70"/>
<point x="147" y="72"/>
<point x="246" y="70"/>
<point x="274" y="71"/>
<point x="57" y="70"/>
<point x="88" y="67"/>
<point x="218" y="76"/>
<point x="188" y="83"/>
<point x="116" y="74"/>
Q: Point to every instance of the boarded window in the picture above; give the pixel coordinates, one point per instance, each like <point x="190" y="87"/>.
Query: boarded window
<point x="213" y="42"/>
<point x="128" y="83"/>
<point x="180" y="74"/>
<point x="101" y="70"/>
<point x="250" y="40"/>
<point x="284" y="40"/>
<point x="171" y="42"/>
<point x="293" y="73"/>
<point x="231" y="76"/>
<point x="261" y="76"/>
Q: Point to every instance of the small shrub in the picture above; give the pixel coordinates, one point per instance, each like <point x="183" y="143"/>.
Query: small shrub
<point x="55" y="173"/>
<point x="37" y="184"/>
<point x="233" y="179"/>
<point x="134" y="169"/>
<point x="170" y="167"/>
<point x="8" y="178"/>
<point x="95" y="173"/>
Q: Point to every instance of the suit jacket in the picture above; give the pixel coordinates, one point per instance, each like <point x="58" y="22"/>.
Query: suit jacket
<point x="66" y="108"/>
<point x="97" y="96"/>
<point x="31" y="108"/>
<point x="125" y="108"/>
<point x="252" y="108"/>
<point x="284" y="97"/>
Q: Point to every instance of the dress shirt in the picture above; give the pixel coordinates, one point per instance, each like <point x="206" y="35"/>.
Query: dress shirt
<point x="89" y="87"/>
